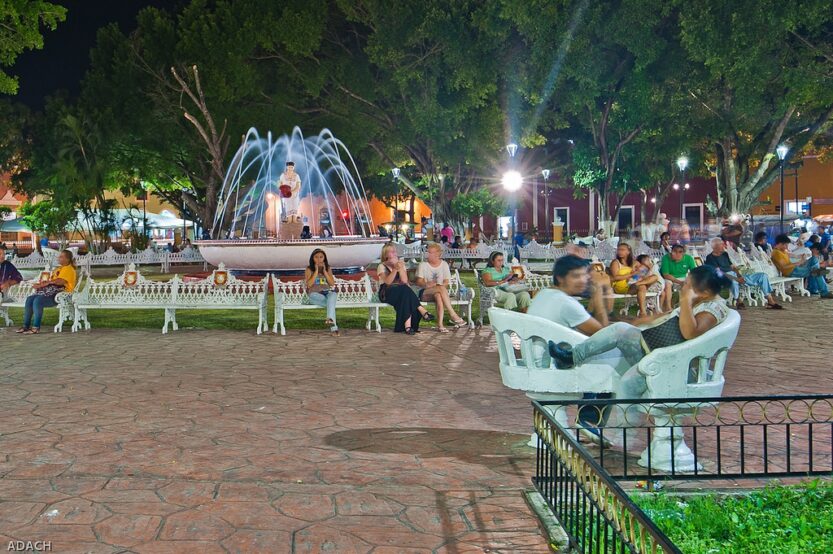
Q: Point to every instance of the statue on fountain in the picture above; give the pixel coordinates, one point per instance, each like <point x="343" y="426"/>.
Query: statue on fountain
<point x="289" y="185"/>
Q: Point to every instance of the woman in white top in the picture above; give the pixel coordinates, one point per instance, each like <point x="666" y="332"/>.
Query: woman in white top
<point x="291" y="204"/>
<point x="433" y="277"/>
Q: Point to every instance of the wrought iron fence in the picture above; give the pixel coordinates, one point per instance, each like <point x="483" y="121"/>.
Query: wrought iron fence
<point x="597" y="515"/>
<point x="741" y="437"/>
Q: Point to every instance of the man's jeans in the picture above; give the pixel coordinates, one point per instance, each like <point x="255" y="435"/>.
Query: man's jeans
<point x="759" y="280"/>
<point x="815" y="283"/>
<point x="628" y="339"/>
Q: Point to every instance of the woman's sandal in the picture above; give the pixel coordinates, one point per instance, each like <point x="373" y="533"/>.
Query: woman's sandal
<point x="335" y="333"/>
<point x="428" y="316"/>
<point x="459" y="324"/>
<point x="775" y="306"/>
<point x="31" y="331"/>
<point x="329" y="322"/>
<point x="22" y="330"/>
<point x="410" y="331"/>
<point x="442" y="330"/>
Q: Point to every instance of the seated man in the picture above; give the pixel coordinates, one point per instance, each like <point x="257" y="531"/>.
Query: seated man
<point x="9" y="275"/>
<point x="674" y="268"/>
<point x="803" y="267"/>
<point x="571" y="277"/>
<point x="719" y="259"/>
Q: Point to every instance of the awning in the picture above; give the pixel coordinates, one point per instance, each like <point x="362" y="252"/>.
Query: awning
<point x="14" y="226"/>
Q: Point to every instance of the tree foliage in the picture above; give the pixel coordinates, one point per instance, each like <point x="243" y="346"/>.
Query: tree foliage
<point x="21" y="25"/>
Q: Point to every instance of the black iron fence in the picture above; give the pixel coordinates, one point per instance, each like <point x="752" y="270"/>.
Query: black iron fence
<point x="737" y="437"/>
<point x="597" y="515"/>
<point x="586" y="446"/>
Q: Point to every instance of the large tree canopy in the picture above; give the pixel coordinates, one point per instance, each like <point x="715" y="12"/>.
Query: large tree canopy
<point x="21" y="24"/>
<point x="620" y="88"/>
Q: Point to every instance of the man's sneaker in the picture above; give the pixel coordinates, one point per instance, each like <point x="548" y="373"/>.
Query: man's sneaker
<point x="562" y="353"/>
<point x="593" y="434"/>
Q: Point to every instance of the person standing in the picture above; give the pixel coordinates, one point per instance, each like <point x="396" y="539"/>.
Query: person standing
<point x="448" y="233"/>
<point x="289" y="185"/>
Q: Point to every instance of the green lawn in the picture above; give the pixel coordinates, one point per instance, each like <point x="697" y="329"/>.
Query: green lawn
<point x="782" y="519"/>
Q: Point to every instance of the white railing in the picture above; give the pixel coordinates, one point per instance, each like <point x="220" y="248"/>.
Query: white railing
<point x="150" y="256"/>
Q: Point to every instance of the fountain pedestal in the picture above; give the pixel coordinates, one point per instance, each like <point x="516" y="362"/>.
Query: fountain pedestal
<point x="290" y="230"/>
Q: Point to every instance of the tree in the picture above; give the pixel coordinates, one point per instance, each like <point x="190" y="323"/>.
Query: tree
<point x="608" y="70"/>
<point x="764" y="77"/>
<point x="20" y="29"/>
<point x="47" y="218"/>
<point x="480" y="202"/>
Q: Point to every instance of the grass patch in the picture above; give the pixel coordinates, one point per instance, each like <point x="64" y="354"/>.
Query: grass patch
<point x="783" y="519"/>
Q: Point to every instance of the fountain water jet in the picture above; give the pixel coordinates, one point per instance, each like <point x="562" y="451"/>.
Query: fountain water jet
<point x="249" y="229"/>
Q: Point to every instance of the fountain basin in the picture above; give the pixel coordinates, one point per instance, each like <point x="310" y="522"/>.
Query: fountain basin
<point x="283" y="255"/>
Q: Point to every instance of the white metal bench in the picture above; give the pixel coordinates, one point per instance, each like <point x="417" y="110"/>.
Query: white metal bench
<point x="292" y="295"/>
<point x="17" y="295"/>
<point x="692" y="369"/>
<point x="131" y="291"/>
<point x="362" y="293"/>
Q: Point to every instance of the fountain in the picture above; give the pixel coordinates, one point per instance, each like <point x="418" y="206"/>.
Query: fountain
<point x="257" y="229"/>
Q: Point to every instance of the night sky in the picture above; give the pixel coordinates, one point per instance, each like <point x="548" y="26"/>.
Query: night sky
<point x="66" y="51"/>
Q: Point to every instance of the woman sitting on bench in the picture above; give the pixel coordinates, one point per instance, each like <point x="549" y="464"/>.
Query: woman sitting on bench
<point x="510" y="291"/>
<point x="62" y="279"/>
<point x="394" y="290"/>
<point x="319" y="279"/>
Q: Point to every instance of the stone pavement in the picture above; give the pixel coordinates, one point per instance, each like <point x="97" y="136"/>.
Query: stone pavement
<point x="211" y="441"/>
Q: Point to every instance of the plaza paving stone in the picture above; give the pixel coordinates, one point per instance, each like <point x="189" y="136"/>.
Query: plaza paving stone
<point x="212" y="441"/>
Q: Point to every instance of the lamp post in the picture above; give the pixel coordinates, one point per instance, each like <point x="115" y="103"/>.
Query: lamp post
<point x="545" y="173"/>
<point x="682" y="164"/>
<point x="782" y="151"/>
<point x="511" y="148"/>
<point x="395" y="172"/>
<point x="512" y="182"/>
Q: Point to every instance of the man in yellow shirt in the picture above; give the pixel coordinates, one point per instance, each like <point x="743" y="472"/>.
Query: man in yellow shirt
<point x="809" y="268"/>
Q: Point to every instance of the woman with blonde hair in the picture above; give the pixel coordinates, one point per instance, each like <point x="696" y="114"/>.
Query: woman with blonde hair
<point x="433" y="277"/>
<point x="394" y="290"/>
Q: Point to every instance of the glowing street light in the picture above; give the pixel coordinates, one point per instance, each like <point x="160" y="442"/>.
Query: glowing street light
<point x="512" y="181"/>
<point x="511" y="148"/>
<point x="782" y="151"/>
<point x="545" y="173"/>
<point x="682" y="163"/>
<point x="395" y="171"/>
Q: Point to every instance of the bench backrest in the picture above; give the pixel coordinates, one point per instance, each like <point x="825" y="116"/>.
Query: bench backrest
<point x="289" y="293"/>
<point x="18" y="293"/>
<point x="221" y="287"/>
<point x="694" y="368"/>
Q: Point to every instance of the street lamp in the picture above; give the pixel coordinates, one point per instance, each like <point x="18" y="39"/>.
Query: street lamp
<point x="511" y="148"/>
<point x="395" y="171"/>
<point x="682" y="164"/>
<point x="782" y="152"/>
<point x="545" y="173"/>
<point x="512" y="182"/>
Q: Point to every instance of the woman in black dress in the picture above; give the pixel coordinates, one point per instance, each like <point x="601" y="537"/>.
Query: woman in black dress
<point x="394" y="290"/>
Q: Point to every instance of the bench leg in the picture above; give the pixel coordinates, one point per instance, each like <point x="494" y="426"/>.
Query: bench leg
<point x="378" y="323"/>
<point x="275" y="320"/>
<point x="170" y="319"/>
<point x="262" y="324"/>
<point x="668" y="447"/>
<point x="369" y="323"/>
<point x="5" y="313"/>
<point x="469" y="307"/>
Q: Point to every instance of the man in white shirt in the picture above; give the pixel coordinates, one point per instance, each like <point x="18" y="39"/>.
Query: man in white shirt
<point x="571" y="277"/>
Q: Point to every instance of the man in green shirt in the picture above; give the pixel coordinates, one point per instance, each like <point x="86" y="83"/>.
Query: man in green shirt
<point x="674" y="268"/>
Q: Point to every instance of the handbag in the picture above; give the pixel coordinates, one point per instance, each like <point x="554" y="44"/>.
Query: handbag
<point x="49" y="290"/>
<point x="519" y="287"/>
<point x="286" y="191"/>
<point x="665" y="334"/>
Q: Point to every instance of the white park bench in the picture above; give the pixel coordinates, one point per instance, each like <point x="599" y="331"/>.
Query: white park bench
<point x="131" y="291"/>
<point x="692" y="369"/>
<point x="362" y="293"/>
<point x="292" y="295"/>
<point x="17" y="295"/>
